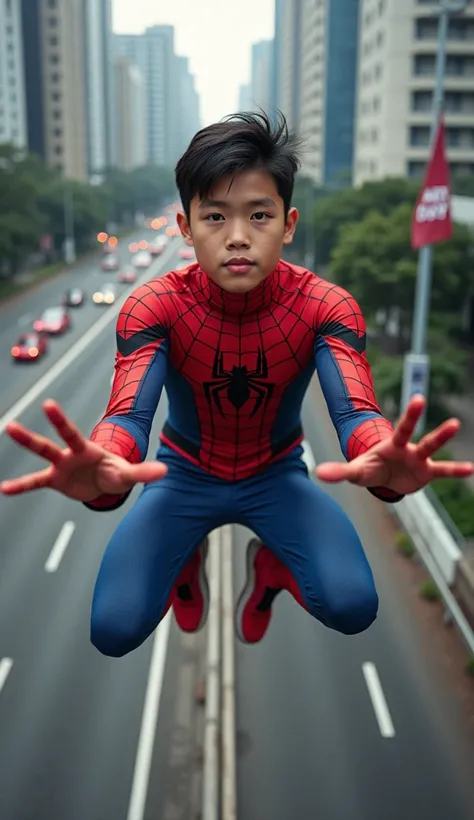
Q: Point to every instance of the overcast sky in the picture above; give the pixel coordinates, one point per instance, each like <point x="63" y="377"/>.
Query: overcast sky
<point x="216" y="35"/>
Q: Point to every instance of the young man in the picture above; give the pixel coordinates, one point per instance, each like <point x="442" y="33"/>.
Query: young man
<point x="234" y="339"/>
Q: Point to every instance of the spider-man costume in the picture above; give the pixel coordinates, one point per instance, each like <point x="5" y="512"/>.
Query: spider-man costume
<point x="235" y="368"/>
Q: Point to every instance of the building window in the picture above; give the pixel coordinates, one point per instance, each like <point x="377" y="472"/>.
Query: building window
<point x="421" y="100"/>
<point x="459" y="66"/>
<point x="56" y="115"/>
<point x="54" y="59"/>
<point x="53" y="41"/>
<point x="424" y="65"/>
<point x="461" y="29"/>
<point x="58" y="132"/>
<point x="459" y="102"/>
<point x="55" y="77"/>
<point x="419" y="135"/>
<point x="460" y="137"/>
<point x="56" y="97"/>
<point x="415" y="169"/>
<point x="58" y="150"/>
<point x="426" y="28"/>
<point x="53" y="22"/>
<point x="52" y="4"/>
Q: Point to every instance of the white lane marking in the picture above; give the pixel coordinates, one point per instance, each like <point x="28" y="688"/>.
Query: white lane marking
<point x="141" y="775"/>
<point x="25" y="320"/>
<point x="378" y="700"/>
<point x="73" y="353"/>
<point x="210" y="778"/>
<point x="5" y="666"/>
<point x="308" y="456"/>
<point x="228" y="729"/>
<point x="60" y="546"/>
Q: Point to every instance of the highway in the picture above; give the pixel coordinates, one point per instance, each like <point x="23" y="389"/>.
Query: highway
<point x="310" y="716"/>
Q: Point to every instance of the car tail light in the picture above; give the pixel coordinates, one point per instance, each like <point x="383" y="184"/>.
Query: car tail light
<point x="33" y="352"/>
<point x="15" y="351"/>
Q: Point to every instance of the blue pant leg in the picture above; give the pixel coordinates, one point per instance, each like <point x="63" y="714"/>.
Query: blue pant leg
<point x="146" y="553"/>
<point x="315" y="539"/>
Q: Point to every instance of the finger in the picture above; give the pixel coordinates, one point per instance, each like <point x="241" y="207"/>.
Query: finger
<point x="145" y="472"/>
<point x="334" y="471"/>
<point x="26" y="483"/>
<point x="65" y="427"/>
<point x="406" y="426"/>
<point x="435" y="440"/>
<point x="40" y="445"/>
<point x="451" y="469"/>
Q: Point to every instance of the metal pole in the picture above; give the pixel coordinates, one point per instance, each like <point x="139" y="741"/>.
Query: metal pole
<point x="417" y="362"/>
<point x="69" y="243"/>
<point x="425" y="256"/>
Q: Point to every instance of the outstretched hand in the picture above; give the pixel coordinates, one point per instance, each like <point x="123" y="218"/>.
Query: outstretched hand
<point x="83" y="470"/>
<point x="399" y="464"/>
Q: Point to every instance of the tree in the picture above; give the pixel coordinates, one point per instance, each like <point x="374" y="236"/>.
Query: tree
<point x="332" y="213"/>
<point x="21" y="222"/>
<point x="374" y="261"/>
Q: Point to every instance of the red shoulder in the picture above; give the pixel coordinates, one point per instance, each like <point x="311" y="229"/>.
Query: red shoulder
<point x="152" y="303"/>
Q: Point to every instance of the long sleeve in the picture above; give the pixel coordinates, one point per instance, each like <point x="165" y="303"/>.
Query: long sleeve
<point x="140" y="371"/>
<point x="346" y="379"/>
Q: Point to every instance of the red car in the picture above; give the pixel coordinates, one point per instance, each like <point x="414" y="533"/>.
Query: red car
<point x="30" y="347"/>
<point x="127" y="276"/>
<point x="54" y="320"/>
<point x="186" y="253"/>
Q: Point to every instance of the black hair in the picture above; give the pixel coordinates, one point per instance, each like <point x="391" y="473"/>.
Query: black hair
<point x="239" y="142"/>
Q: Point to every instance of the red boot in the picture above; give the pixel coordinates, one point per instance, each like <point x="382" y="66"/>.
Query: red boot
<point x="190" y="595"/>
<point x="266" y="577"/>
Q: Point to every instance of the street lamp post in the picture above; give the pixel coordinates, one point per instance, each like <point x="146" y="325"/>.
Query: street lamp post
<point x="69" y="241"/>
<point x="416" y="364"/>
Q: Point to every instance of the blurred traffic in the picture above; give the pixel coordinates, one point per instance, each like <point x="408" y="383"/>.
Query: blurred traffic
<point x="126" y="259"/>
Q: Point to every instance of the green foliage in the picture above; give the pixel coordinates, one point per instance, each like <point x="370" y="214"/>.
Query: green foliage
<point x="332" y="213"/>
<point x="405" y="544"/>
<point x="374" y="261"/>
<point x="32" y="203"/>
<point x="429" y="591"/>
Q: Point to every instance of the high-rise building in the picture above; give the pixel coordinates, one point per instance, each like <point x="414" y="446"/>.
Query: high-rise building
<point x="97" y="27"/>
<point x="328" y="48"/>
<point x="187" y="106"/>
<point x="130" y="99"/>
<point x="56" y="84"/>
<point x="288" y="54"/>
<point x="245" y="97"/>
<point x="396" y="76"/>
<point x="12" y="82"/>
<point x="260" y="82"/>
<point x="153" y="53"/>
<point x="276" y="69"/>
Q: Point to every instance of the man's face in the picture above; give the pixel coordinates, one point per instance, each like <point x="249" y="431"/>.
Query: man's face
<point x="239" y="231"/>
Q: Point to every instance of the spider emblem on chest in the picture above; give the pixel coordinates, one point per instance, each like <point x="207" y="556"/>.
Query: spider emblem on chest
<point x="239" y="384"/>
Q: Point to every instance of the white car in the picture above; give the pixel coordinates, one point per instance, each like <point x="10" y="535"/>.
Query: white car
<point x="142" y="259"/>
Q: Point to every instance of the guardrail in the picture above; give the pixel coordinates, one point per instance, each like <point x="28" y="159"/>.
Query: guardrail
<point x="439" y="551"/>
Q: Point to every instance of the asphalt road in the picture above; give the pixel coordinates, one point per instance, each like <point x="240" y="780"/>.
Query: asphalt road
<point x="17" y="316"/>
<point x="309" y="742"/>
<point x="308" y="739"/>
<point x="69" y="718"/>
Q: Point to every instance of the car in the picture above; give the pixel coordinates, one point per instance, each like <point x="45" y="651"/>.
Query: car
<point x="30" y="347"/>
<point x="74" y="297"/>
<point x="54" y="320"/>
<point x="105" y="295"/>
<point x="186" y="253"/>
<point x="142" y="259"/>
<point x="156" y="248"/>
<point x="127" y="275"/>
<point x="109" y="262"/>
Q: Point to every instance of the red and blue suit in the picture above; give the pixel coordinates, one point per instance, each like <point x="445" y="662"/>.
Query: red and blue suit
<point x="235" y="368"/>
